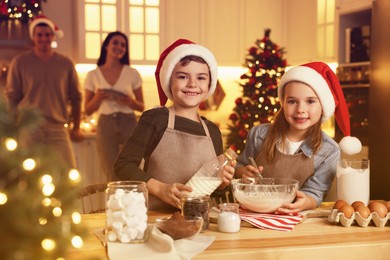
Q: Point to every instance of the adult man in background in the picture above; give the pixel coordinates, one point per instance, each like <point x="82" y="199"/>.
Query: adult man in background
<point x="46" y="80"/>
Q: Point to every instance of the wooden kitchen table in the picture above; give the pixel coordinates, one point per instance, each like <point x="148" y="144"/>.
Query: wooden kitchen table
<point x="315" y="238"/>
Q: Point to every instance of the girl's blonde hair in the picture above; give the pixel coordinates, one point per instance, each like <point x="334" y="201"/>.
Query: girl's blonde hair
<point x="278" y="130"/>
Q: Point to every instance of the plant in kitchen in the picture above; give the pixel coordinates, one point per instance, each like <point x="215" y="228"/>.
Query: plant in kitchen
<point x="259" y="102"/>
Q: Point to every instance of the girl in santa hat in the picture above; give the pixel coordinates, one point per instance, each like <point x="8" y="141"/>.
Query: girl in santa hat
<point x="294" y="146"/>
<point x="175" y="141"/>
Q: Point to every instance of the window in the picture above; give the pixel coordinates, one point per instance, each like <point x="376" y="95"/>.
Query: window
<point x="326" y="29"/>
<point x="138" y="19"/>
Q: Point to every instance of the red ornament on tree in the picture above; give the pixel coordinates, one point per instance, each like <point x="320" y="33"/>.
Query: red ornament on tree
<point x="233" y="117"/>
<point x="239" y="101"/>
<point x="243" y="133"/>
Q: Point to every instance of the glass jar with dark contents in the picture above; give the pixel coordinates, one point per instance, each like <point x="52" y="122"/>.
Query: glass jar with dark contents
<point x="196" y="206"/>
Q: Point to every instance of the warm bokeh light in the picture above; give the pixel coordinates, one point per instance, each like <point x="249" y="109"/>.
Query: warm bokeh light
<point x="46" y="202"/>
<point x="11" y="144"/>
<point x="29" y="164"/>
<point x="47" y="179"/>
<point x="3" y="198"/>
<point x="48" y="244"/>
<point x="74" y="175"/>
<point x="42" y="221"/>
<point x="77" y="242"/>
<point x="57" y="211"/>
<point x="76" y="218"/>
<point x="48" y="189"/>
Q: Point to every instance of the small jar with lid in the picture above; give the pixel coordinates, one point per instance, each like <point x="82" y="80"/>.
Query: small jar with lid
<point x="229" y="218"/>
<point x="193" y="205"/>
<point x="126" y="212"/>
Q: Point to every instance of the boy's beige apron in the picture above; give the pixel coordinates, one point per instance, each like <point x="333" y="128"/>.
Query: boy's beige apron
<point x="297" y="166"/>
<point x="177" y="157"/>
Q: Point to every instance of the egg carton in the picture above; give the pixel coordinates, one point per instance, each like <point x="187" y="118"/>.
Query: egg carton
<point x="338" y="217"/>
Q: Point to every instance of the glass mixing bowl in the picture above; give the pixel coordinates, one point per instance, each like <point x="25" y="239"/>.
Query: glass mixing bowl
<point x="266" y="196"/>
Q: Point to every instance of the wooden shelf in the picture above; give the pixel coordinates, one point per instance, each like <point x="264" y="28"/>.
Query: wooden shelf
<point x="355" y="85"/>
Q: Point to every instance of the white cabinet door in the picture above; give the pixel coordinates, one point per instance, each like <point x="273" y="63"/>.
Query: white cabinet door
<point x="227" y="27"/>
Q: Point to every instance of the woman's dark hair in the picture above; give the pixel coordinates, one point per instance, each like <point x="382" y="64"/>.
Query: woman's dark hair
<point x="103" y="52"/>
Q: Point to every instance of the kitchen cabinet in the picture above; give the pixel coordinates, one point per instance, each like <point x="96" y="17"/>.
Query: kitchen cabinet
<point x="379" y="103"/>
<point x="226" y="27"/>
<point x="88" y="161"/>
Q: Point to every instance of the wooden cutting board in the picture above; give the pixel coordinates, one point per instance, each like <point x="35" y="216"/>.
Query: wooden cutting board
<point x="316" y="213"/>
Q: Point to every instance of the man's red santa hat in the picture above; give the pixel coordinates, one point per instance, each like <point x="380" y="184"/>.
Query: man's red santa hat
<point x="325" y="83"/>
<point x="43" y="19"/>
<point x="171" y="56"/>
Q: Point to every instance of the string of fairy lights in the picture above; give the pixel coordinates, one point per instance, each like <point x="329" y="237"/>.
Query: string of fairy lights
<point x="47" y="188"/>
<point x="20" y="10"/>
<point x="38" y="197"/>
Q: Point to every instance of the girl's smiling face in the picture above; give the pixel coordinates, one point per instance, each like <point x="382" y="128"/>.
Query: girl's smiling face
<point x="190" y="83"/>
<point x="302" y="108"/>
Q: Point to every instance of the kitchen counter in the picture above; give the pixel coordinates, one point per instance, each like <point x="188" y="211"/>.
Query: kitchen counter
<point x="314" y="238"/>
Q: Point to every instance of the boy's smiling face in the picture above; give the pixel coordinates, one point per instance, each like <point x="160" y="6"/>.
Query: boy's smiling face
<point x="190" y="83"/>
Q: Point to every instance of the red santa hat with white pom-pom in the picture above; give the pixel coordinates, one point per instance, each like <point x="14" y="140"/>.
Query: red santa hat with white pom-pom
<point x="325" y="83"/>
<point x="43" y="19"/>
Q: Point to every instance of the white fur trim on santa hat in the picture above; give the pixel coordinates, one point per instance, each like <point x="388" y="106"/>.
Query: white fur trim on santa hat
<point x="180" y="52"/>
<point x="57" y="32"/>
<point x="316" y="81"/>
<point x="350" y="145"/>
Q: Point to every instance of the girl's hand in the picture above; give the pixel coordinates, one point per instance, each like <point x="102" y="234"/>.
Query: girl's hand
<point x="302" y="202"/>
<point x="250" y="172"/>
<point x="172" y="193"/>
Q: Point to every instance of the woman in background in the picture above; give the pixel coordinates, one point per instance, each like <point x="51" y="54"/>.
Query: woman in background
<point x="114" y="90"/>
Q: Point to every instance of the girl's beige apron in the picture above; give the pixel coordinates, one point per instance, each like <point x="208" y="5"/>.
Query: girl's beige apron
<point x="297" y="166"/>
<point x="177" y="157"/>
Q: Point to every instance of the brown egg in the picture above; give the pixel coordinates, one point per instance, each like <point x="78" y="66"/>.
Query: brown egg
<point x="338" y="204"/>
<point x="356" y="204"/>
<point x="387" y="204"/>
<point x="347" y="210"/>
<point x="378" y="207"/>
<point x="363" y="210"/>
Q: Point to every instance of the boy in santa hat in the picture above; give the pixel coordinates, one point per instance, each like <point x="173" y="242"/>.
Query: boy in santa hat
<point x="47" y="81"/>
<point x="175" y="141"/>
<point x="294" y="146"/>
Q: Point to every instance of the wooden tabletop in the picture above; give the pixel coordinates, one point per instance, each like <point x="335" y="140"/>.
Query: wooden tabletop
<point x="315" y="238"/>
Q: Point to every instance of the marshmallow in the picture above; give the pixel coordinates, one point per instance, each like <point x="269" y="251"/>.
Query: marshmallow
<point x="126" y="216"/>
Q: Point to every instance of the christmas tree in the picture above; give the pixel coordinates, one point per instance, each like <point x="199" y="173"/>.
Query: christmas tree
<point x="38" y="210"/>
<point x="22" y="10"/>
<point x="259" y="102"/>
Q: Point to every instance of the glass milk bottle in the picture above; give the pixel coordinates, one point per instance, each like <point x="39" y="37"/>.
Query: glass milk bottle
<point x="126" y="212"/>
<point x="207" y="179"/>
<point x="353" y="180"/>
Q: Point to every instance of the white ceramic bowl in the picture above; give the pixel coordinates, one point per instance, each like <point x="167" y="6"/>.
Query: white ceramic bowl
<point x="267" y="196"/>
